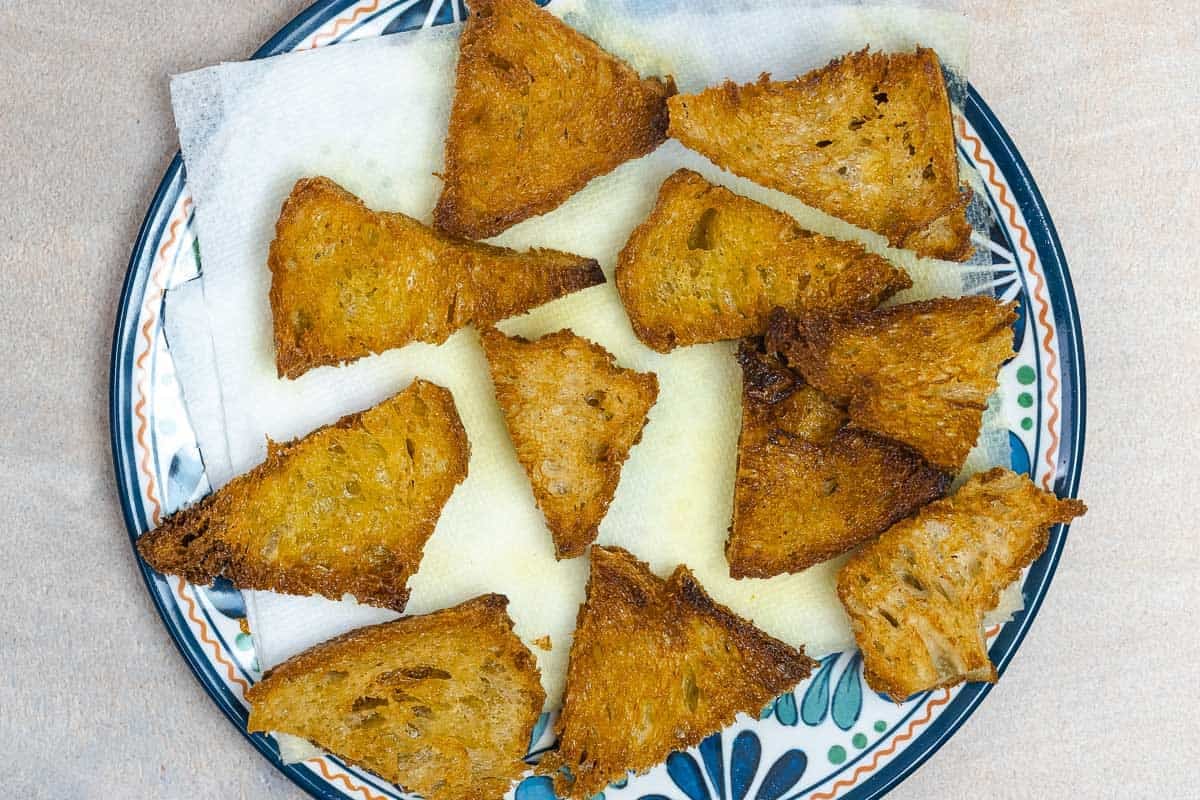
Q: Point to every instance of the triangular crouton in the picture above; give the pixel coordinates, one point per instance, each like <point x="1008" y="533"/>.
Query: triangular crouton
<point x="656" y="666"/>
<point x="345" y="510"/>
<point x="573" y="416"/>
<point x="347" y="281"/>
<point x="709" y="264"/>
<point x="808" y="489"/>
<point x="539" y="110"/>
<point x="868" y="138"/>
<point x="441" y="704"/>
<point x="918" y="594"/>
<point x="920" y="373"/>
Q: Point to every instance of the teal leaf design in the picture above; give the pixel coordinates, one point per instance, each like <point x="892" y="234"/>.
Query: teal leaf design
<point x="847" y="697"/>
<point x="785" y="710"/>
<point x="815" y="705"/>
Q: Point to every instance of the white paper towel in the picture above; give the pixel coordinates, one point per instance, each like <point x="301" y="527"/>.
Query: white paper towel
<point x="371" y="115"/>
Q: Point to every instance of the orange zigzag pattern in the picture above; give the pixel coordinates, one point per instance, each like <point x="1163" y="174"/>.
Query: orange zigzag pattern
<point x="149" y="311"/>
<point x="205" y="637"/>
<point x="1038" y="295"/>
<point x="341" y="22"/>
<point x="939" y="700"/>
<point x="321" y="766"/>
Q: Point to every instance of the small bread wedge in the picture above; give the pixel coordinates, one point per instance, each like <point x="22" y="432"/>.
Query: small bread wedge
<point x="655" y="667"/>
<point x="867" y="138"/>
<point x="709" y="264"/>
<point x="920" y="373"/>
<point x="347" y="281"/>
<point x="918" y="594"/>
<point x="441" y="704"/>
<point x="345" y="510"/>
<point x="807" y="488"/>
<point x="573" y="416"/>
<point x="539" y="110"/>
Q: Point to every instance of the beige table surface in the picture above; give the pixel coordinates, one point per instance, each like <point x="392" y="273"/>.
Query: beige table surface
<point x="1101" y="701"/>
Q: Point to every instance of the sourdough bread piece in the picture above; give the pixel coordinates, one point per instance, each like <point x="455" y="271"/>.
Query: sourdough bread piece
<point x="345" y="510"/>
<point x="920" y="373"/>
<point x="347" y="281"/>
<point x="868" y="138"/>
<point x="708" y="264"/>
<point x="655" y="667"/>
<point x="808" y="488"/>
<point x="573" y="416"/>
<point x="539" y="110"/>
<point x="918" y="594"/>
<point x="441" y="704"/>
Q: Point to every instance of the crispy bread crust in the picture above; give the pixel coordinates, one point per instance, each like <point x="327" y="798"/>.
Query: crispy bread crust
<point x="708" y="264"/>
<point x="573" y="416"/>
<point x="868" y="138"/>
<point x="655" y="667"/>
<point x="920" y="373"/>
<point x="918" y="594"/>
<point x="807" y="488"/>
<point x="346" y="509"/>
<point x="539" y="110"/>
<point x="442" y="704"/>
<point x="347" y="281"/>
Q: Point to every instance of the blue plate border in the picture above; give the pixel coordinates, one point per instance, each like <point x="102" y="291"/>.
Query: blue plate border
<point x="1073" y="394"/>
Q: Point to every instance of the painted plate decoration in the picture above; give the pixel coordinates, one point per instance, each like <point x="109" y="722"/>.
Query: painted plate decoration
<point x="830" y="738"/>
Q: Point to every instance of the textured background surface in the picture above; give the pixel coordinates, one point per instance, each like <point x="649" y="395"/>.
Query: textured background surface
<point x="1100" y="702"/>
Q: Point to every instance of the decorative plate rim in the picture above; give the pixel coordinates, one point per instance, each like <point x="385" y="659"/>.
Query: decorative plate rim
<point x="1045" y="246"/>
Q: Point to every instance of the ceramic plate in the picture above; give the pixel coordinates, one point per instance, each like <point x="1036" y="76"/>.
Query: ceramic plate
<point x="830" y="738"/>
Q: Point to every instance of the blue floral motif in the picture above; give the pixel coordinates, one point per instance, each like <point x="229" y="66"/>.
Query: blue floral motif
<point x="845" y="704"/>
<point x="184" y="476"/>
<point x="226" y="599"/>
<point x="535" y="787"/>
<point x="745" y="755"/>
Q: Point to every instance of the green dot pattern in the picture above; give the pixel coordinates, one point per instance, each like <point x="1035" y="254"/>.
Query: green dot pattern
<point x="880" y="726"/>
<point x="1026" y="424"/>
<point x="1025" y="400"/>
<point x="243" y="641"/>
<point x="837" y="754"/>
<point x="1026" y="375"/>
<point x="859" y="740"/>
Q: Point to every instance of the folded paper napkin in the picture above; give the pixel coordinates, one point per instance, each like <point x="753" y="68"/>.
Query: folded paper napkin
<point x="372" y="115"/>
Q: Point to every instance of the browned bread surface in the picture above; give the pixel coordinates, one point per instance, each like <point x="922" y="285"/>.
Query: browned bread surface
<point x="573" y="416"/>
<point x="539" y="110"/>
<point x="709" y="264"/>
<point x="347" y="281"/>
<point x="920" y="373"/>
<point x="441" y="704"/>
<point x="917" y="595"/>
<point x="655" y="667"/>
<point x="867" y="138"/>
<point x="807" y="488"/>
<point x="346" y="509"/>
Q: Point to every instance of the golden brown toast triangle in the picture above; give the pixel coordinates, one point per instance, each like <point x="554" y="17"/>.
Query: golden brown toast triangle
<point x="807" y="488"/>
<point x="539" y="110"/>
<point x="441" y="704"/>
<point x="918" y="594"/>
<point x="709" y="264"/>
<point x="346" y="509"/>
<point x="920" y="373"/>
<point x="867" y="138"/>
<point x="347" y="281"/>
<point x="655" y="667"/>
<point x="573" y="416"/>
